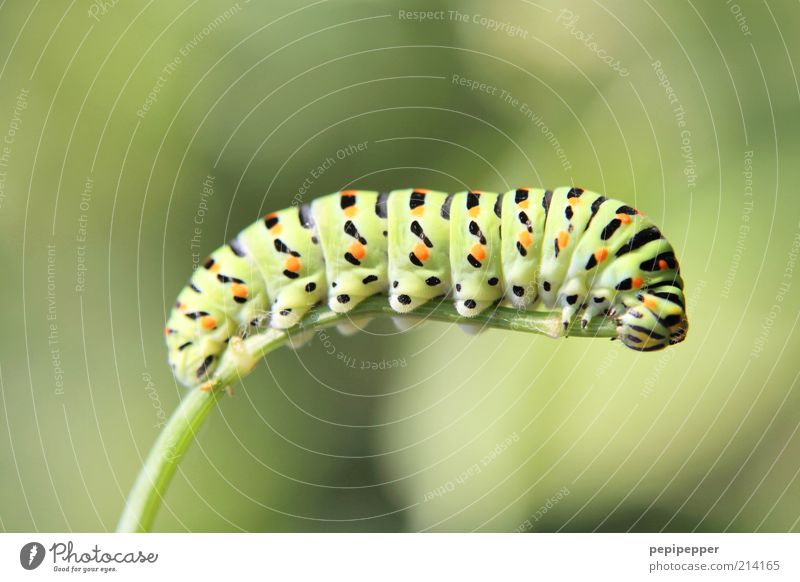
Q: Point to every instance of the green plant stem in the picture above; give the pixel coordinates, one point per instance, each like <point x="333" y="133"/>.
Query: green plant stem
<point x="159" y="467"/>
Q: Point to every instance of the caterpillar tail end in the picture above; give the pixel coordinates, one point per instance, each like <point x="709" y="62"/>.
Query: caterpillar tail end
<point x="654" y="322"/>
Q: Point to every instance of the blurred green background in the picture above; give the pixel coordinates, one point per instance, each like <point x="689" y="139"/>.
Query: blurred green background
<point x="112" y="117"/>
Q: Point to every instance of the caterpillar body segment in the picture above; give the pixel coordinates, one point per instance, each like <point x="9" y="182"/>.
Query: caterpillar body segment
<point x="569" y="249"/>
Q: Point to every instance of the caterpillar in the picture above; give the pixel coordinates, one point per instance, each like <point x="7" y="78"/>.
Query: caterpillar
<point x="569" y="249"/>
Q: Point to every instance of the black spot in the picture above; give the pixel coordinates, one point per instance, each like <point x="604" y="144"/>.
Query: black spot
<point x="546" y="198"/>
<point x="284" y="312"/>
<point x="473" y="200"/>
<point x="568" y="212"/>
<point x="305" y="217"/>
<point x="574" y="193"/>
<point x="522" y="250"/>
<point x="520" y="195"/>
<point x="498" y="206"/>
<point x="624" y="209"/>
<point x="395" y="284"/>
<point x="310" y="287"/>
<point x="546" y="285"/>
<point x="470" y="304"/>
<point x="270" y="220"/>
<point x="404" y="299"/>
<point x="209" y="262"/>
<point x="417" y="231"/>
<point x="343" y="299"/>
<point x="348" y="256"/>
<point x="195" y="288"/>
<point x="196" y="314"/>
<point x="633" y="338"/>
<point x="238" y="299"/>
<point x="416" y="200"/>
<point x="670" y="320"/>
<point x="652" y="264"/>
<point x="518" y="291"/>
<point x="315" y="240"/>
<point x="671" y="297"/>
<point x="473" y="261"/>
<point x="351" y="230"/>
<point x="572" y="299"/>
<point x="385" y="233"/>
<point x="334" y="284"/>
<point x="610" y="229"/>
<point x="433" y="281"/>
<point x="591" y="263"/>
<point x="204" y="366"/>
<point x="290" y="274"/>
<point x="649" y="332"/>
<point x="236" y="248"/>
<point x="281" y="247"/>
<point x="524" y="219"/>
<point x="458" y="286"/>
<point x="640" y="239"/>
<point x="555" y="247"/>
<point x="493" y="281"/>
<point x="414" y="259"/>
<point x="625" y="285"/>
<point x="595" y="208"/>
<point x="381" y="208"/>
<point x="347" y="200"/>
<point x="184" y="346"/>
<point x="369" y="279"/>
<point x="475" y="230"/>
<point x="598" y="299"/>
<point x="445" y="212"/>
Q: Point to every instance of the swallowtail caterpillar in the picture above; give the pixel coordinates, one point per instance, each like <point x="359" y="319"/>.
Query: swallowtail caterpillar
<point x="568" y="249"/>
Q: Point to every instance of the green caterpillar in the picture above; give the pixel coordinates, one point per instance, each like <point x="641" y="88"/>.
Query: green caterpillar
<point x="569" y="248"/>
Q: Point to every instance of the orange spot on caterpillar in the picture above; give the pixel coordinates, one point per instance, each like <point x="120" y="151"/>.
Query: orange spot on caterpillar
<point x="624" y="218"/>
<point x="167" y="331"/>
<point x="525" y="238"/>
<point x="478" y="251"/>
<point x="419" y="210"/>
<point x="240" y="290"/>
<point x="649" y="302"/>
<point x="474" y="211"/>
<point x="292" y="264"/>
<point x="573" y="201"/>
<point x="182" y="306"/>
<point x="600" y="254"/>
<point x="356" y="249"/>
<point x="276" y="230"/>
<point x="523" y="203"/>
<point x="563" y="237"/>
<point x="349" y="192"/>
<point x="421" y="251"/>
<point x="351" y="211"/>
<point x="637" y="282"/>
<point x="215" y="267"/>
<point x="662" y="264"/>
<point x="208" y="322"/>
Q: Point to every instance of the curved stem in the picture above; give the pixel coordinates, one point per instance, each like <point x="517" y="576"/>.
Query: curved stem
<point x="159" y="467"/>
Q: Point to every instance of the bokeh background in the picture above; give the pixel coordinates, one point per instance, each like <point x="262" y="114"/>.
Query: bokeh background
<point x="138" y="136"/>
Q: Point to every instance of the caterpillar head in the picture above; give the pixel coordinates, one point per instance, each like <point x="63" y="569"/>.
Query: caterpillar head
<point x="655" y="321"/>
